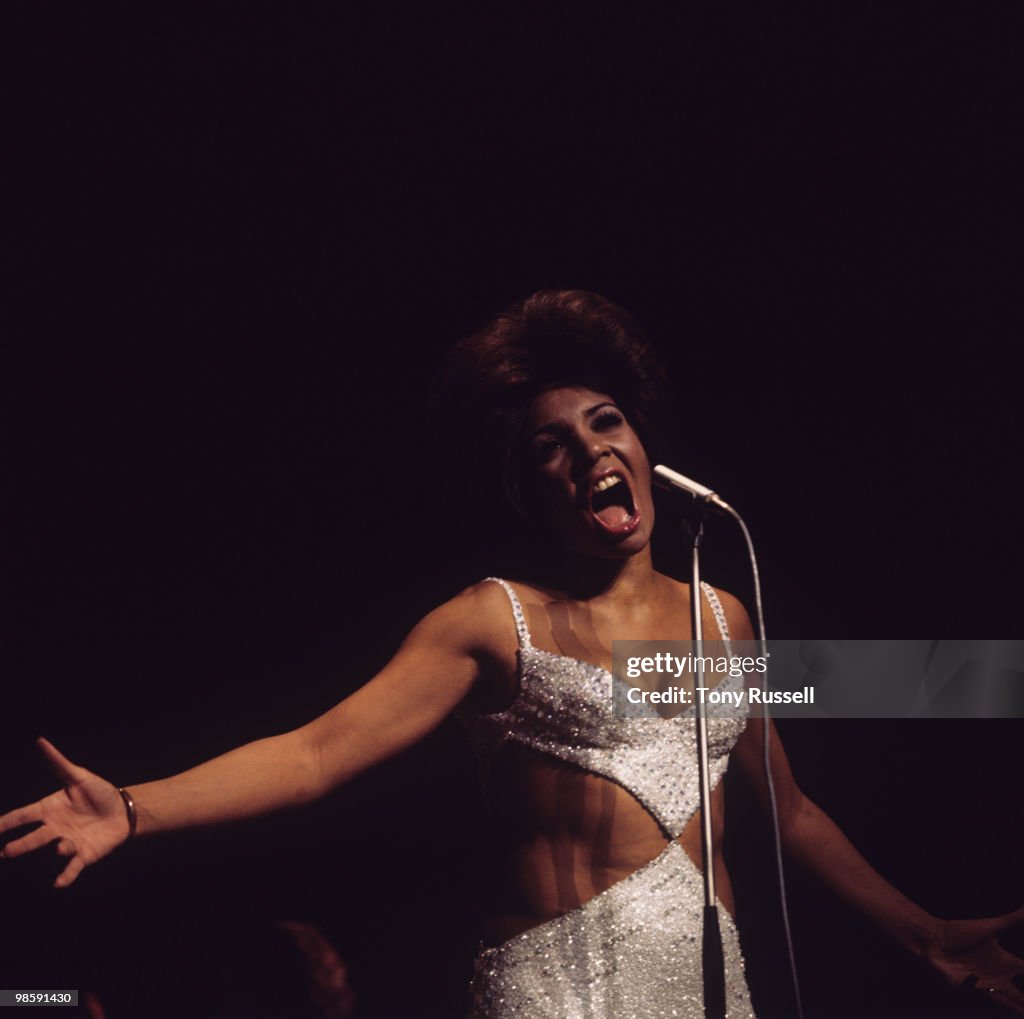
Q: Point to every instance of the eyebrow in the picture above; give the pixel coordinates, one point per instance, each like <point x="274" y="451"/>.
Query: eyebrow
<point x="554" y="426"/>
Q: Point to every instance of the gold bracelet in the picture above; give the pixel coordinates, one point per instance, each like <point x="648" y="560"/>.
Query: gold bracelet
<point x="129" y="806"/>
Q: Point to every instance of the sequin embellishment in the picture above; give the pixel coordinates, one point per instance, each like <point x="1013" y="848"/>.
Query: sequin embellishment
<point x="633" y="950"/>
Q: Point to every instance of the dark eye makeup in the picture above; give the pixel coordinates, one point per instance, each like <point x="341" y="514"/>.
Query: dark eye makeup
<point x="608" y="419"/>
<point x="543" y="447"/>
<point x="545" y="444"/>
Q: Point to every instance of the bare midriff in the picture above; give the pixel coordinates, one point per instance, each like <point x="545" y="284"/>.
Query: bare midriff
<point x="567" y="835"/>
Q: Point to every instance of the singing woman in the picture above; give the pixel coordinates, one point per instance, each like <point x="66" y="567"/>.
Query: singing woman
<point x="599" y="904"/>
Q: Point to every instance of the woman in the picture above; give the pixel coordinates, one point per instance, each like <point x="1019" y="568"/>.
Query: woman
<point x="599" y="909"/>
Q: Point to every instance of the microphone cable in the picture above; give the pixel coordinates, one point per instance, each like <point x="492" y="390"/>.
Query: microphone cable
<point x="762" y="640"/>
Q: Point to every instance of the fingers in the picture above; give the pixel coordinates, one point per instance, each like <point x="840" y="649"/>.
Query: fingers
<point x="23" y="815"/>
<point x="33" y="840"/>
<point x="1009" y="998"/>
<point x="41" y="837"/>
<point x="59" y="764"/>
<point x="65" y="848"/>
<point x="1011" y="919"/>
<point x="69" y="873"/>
<point x="1003" y="986"/>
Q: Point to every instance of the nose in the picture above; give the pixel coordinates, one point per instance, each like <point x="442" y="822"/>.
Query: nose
<point x="590" y="449"/>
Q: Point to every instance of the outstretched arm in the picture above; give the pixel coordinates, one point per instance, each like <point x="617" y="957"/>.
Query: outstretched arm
<point x="428" y="676"/>
<point x="812" y="840"/>
<point x="433" y="670"/>
<point x="964" y="952"/>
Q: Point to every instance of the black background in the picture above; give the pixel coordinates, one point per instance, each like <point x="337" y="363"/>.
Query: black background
<point x="240" y="236"/>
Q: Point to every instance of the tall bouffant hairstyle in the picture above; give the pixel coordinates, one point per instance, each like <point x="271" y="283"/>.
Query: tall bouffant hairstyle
<point x="553" y="338"/>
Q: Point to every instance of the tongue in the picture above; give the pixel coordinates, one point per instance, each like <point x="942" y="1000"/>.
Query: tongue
<point x="613" y="516"/>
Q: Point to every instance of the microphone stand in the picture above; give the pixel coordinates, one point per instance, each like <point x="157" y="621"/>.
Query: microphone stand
<point x="712" y="960"/>
<point x="703" y="498"/>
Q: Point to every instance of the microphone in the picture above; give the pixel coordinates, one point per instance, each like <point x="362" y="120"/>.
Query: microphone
<point x="670" y="480"/>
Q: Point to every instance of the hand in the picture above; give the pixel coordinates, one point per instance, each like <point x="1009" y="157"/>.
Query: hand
<point x="968" y="955"/>
<point x="87" y="818"/>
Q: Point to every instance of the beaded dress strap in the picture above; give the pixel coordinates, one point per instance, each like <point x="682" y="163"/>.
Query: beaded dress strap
<point x="718" y="612"/>
<point x="517" y="611"/>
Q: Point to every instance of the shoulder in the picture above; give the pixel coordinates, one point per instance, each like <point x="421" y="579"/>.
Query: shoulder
<point x="478" y="619"/>
<point x="735" y="615"/>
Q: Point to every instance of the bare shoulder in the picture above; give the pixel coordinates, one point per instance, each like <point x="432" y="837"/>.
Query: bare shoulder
<point x="735" y="615"/>
<point x="478" y="620"/>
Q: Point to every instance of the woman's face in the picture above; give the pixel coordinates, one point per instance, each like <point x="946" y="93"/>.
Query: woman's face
<point x="586" y="477"/>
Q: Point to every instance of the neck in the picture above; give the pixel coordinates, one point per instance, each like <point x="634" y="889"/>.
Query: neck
<point x="586" y="577"/>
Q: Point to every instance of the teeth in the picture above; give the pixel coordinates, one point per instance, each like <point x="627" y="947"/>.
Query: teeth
<point x="605" y="483"/>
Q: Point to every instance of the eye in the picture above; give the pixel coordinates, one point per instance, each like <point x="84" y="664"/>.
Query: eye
<point x="607" y="420"/>
<point x="544" y="447"/>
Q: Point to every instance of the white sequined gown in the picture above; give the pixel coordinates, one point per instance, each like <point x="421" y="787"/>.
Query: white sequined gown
<point x="634" y="950"/>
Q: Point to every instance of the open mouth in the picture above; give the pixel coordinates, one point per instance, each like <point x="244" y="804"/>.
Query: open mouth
<point x="611" y="501"/>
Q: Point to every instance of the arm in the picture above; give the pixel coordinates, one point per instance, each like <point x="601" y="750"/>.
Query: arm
<point x="965" y="953"/>
<point x="436" y="666"/>
<point x="811" y="839"/>
<point x="962" y="951"/>
<point x="432" y="671"/>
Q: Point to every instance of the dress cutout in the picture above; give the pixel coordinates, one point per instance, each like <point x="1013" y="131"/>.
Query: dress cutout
<point x="634" y="949"/>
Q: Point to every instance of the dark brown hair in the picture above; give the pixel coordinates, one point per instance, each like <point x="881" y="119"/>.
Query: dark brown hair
<point x="552" y="338"/>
